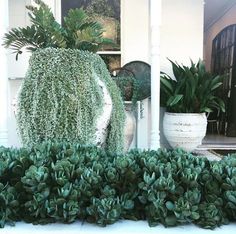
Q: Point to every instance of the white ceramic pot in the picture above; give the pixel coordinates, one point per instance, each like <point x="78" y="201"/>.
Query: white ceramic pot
<point x="184" y="130"/>
<point x="130" y="126"/>
<point x="104" y="119"/>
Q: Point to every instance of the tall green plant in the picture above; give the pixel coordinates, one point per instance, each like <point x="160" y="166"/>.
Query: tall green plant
<point x="193" y="90"/>
<point x="78" y="32"/>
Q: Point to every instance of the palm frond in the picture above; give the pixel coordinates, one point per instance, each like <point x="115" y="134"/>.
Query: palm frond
<point x="46" y="24"/>
<point x="19" y="38"/>
<point x="79" y="31"/>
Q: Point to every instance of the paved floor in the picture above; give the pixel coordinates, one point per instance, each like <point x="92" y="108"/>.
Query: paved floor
<point x="122" y="227"/>
<point x="214" y="141"/>
<point x="207" y="153"/>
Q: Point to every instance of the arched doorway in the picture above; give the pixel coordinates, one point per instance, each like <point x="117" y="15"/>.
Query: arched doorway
<point x="224" y="63"/>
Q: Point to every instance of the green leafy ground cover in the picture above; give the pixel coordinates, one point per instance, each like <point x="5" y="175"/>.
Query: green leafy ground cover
<point x="64" y="182"/>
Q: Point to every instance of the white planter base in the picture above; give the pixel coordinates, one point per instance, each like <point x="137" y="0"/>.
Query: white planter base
<point x="104" y="118"/>
<point x="130" y="126"/>
<point x="126" y="227"/>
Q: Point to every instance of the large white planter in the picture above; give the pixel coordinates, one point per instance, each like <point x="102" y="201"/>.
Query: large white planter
<point x="130" y="125"/>
<point x="184" y="130"/>
<point x="124" y="226"/>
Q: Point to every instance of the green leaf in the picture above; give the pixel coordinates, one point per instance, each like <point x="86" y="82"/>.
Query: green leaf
<point x="167" y="83"/>
<point x="170" y="205"/>
<point x="194" y="86"/>
<point x="173" y="100"/>
<point x="129" y="205"/>
<point x="79" y="31"/>
<point x="170" y="221"/>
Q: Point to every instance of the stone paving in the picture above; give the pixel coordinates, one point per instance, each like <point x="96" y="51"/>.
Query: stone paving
<point x="121" y="227"/>
<point x="208" y="154"/>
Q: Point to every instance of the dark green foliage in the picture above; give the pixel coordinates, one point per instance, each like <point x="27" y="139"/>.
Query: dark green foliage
<point x="193" y="89"/>
<point x="127" y="86"/>
<point x="9" y="205"/>
<point x="79" y="31"/>
<point x="63" y="182"/>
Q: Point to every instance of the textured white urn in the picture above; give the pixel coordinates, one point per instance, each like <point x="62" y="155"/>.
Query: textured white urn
<point x="104" y="119"/>
<point x="184" y="130"/>
<point x="130" y="125"/>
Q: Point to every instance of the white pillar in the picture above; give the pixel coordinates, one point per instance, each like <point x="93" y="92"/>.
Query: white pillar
<point x="155" y="22"/>
<point x="3" y="75"/>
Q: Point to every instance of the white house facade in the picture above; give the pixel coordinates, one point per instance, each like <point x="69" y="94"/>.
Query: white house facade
<point x="151" y="31"/>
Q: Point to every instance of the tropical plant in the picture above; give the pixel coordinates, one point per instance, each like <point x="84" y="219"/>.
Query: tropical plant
<point x="77" y="32"/>
<point x="192" y="90"/>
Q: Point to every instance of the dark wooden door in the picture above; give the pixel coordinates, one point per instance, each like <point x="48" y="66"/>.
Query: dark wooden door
<point x="224" y="63"/>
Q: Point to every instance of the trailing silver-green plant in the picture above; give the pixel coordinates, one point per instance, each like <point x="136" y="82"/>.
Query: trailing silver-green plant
<point x="61" y="99"/>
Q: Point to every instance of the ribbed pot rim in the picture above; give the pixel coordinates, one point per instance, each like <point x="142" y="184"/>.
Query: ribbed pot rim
<point x="185" y="114"/>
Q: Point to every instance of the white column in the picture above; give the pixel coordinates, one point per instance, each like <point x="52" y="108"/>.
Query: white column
<point x="155" y="22"/>
<point x="3" y="75"/>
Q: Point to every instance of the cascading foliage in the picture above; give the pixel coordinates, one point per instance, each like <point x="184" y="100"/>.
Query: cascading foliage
<point x="60" y="99"/>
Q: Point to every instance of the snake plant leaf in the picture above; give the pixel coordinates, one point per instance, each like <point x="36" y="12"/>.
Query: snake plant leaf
<point x="173" y="100"/>
<point x="167" y="84"/>
<point x="177" y="70"/>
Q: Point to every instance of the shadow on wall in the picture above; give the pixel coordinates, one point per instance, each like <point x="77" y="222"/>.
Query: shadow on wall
<point x="163" y="141"/>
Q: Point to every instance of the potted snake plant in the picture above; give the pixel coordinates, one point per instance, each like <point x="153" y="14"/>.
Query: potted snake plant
<point x="67" y="93"/>
<point x="188" y="96"/>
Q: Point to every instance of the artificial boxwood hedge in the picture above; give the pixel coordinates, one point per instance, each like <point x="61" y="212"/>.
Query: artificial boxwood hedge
<point x="63" y="182"/>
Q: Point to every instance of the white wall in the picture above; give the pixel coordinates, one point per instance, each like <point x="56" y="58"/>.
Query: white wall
<point x="16" y="69"/>
<point x="181" y="31"/>
<point x="17" y="18"/>
<point x="134" y="30"/>
<point x="13" y="138"/>
<point x="227" y="19"/>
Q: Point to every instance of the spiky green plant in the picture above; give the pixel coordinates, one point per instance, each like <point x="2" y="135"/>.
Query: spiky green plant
<point x="78" y="31"/>
<point x="194" y="90"/>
